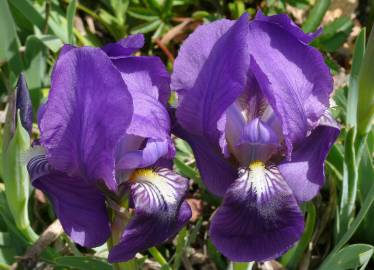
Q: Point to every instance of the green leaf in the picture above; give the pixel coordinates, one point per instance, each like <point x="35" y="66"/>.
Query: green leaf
<point x="241" y="266"/>
<point x="352" y="101"/>
<point x="350" y="257"/>
<point x="51" y="42"/>
<point x="215" y="256"/>
<point x="182" y="240"/>
<point x="36" y="18"/>
<point x="146" y="27"/>
<point x="142" y="14"/>
<point x="365" y="108"/>
<point x="157" y="255"/>
<point x="316" y="15"/>
<point x="72" y="7"/>
<point x="35" y="68"/>
<point x="368" y="202"/>
<point x="350" y="182"/>
<point x="9" y="43"/>
<point x="154" y="6"/>
<point x="83" y="263"/>
<point x="236" y="8"/>
<point x="294" y="255"/>
<point x="334" y="34"/>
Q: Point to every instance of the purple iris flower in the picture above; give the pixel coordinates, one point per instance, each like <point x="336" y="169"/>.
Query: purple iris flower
<point x="253" y="106"/>
<point x="103" y="130"/>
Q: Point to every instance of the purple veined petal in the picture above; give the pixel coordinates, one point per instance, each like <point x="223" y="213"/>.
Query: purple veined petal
<point x="305" y="172"/>
<point x="233" y="130"/>
<point x="220" y="81"/>
<point x="194" y="52"/>
<point x="293" y="77"/>
<point x="85" y="115"/>
<point x="124" y="47"/>
<point x="150" y="118"/>
<point x="287" y="24"/>
<point x="77" y="204"/>
<point x="41" y="112"/>
<point x="148" y="156"/>
<point x="258" y="142"/>
<point x="158" y="76"/>
<point x="160" y="212"/>
<point x="249" y="105"/>
<point x="257" y="132"/>
<point x="259" y="218"/>
<point x="216" y="172"/>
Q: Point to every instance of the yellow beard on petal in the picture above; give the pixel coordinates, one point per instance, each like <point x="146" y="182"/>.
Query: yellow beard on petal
<point x="140" y="174"/>
<point x="256" y="165"/>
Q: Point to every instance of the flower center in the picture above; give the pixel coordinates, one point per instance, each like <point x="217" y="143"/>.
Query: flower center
<point x="142" y="174"/>
<point x="256" y="165"/>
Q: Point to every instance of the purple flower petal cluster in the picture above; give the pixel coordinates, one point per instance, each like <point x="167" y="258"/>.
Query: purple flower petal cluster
<point x="254" y="99"/>
<point x="253" y="105"/>
<point x="103" y="130"/>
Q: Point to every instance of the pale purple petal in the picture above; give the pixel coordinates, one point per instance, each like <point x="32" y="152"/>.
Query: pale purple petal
<point x="194" y="52"/>
<point x="259" y="218"/>
<point x="292" y="75"/>
<point x="283" y="21"/>
<point x="220" y="81"/>
<point x="305" y="172"/>
<point x="149" y="155"/>
<point x="258" y="142"/>
<point x="87" y="112"/>
<point x="160" y="212"/>
<point x="158" y="76"/>
<point x="125" y="47"/>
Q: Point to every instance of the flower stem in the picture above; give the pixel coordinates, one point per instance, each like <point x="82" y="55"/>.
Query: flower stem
<point x="120" y="218"/>
<point x="242" y="265"/>
<point x="159" y="258"/>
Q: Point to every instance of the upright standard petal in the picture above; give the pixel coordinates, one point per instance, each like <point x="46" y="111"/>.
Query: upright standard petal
<point x="259" y="218"/>
<point x="283" y="21"/>
<point x="79" y="206"/>
<point x="160" y="212"/>
<point x="146" y="79"/>
<point x="87" y="112"/>
<point x="194" y="52"/>
<point x="292" y="75"/>
<point x="305" y="173"/>
<point x="125" y="47"/>
<point x="152" y="67"/>
<point x="220" y="80"/>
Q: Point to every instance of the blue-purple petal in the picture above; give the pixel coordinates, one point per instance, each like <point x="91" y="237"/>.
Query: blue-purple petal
<point x="305" y="172"/>
<point x="148" y="156"/>
<point x="220" y="80"/>
<point x="216" y="172"/>
<point x="79" y="206"/>
<point x="259" y="218"/>
<point x="87" y="112"/>
<point x="292" y="76"/>
<point x="283" y="21"/>
<point x="155" y="70"/>
<point x="124" y="47"/>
